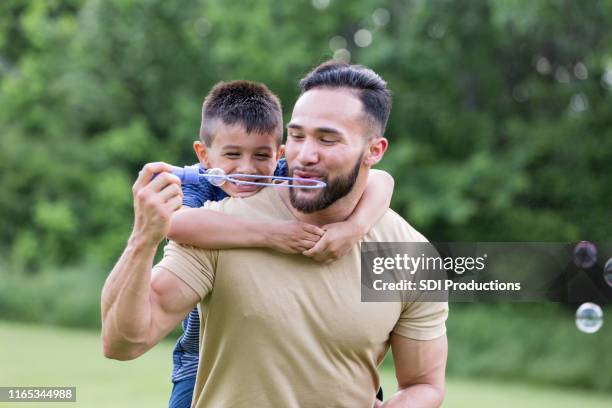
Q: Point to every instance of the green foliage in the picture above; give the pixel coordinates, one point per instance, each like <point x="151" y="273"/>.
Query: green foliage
<point x="528" y="342"/>
<point x="500" y="128"/>
<point x="69" y="298"/>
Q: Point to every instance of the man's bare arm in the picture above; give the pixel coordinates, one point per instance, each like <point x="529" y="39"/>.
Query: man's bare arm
<point x="138" y="310"/>
<point x="420" y="371"/>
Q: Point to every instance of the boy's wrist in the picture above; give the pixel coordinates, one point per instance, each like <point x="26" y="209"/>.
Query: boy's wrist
<point x="359" y="227"/>
<point x="263" y="234"/>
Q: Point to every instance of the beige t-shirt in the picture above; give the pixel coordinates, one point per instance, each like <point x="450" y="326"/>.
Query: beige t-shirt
<point x="285" y="331"/>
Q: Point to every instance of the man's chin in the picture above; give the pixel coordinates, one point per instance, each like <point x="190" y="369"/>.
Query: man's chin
<point x="306" y="201"/>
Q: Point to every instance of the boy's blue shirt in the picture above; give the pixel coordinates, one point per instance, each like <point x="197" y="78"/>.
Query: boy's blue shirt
<point x="185" y="355"/>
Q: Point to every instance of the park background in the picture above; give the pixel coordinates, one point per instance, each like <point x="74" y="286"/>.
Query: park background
<point x="501" y="130"/>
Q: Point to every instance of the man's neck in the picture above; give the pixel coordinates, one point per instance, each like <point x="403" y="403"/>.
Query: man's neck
<point x="339" y="211"/>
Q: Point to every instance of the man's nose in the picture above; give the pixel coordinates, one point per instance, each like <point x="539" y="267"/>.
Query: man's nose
<point x="308" y="152"/>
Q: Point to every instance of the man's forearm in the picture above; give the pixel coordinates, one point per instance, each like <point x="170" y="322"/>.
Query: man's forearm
<point x="126" y="311"/>
<point x="416" y="396"/>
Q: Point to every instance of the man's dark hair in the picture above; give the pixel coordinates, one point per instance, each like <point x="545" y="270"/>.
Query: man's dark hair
<point x="250" y="104"/>
<point x="369" y="87"/>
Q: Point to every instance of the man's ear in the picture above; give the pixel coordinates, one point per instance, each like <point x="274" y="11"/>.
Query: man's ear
<point x="377" y="147"/>
<point x="202" y="153"/>
<point x="280" y="152"/>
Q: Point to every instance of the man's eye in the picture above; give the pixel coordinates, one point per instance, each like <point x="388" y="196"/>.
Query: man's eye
<point x="328" y="141"/>
<point x="296" y="137"/>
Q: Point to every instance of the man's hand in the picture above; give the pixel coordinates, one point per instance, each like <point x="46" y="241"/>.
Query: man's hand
<point x="292" y="237"/>
<point x="338" y="240"/>
<point x="157" y="194"/>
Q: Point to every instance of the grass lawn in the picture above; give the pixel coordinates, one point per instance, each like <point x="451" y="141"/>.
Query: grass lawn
<point x="46" y="356"/>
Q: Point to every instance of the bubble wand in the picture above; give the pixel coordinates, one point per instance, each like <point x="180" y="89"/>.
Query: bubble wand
<point x="217" y="177"/>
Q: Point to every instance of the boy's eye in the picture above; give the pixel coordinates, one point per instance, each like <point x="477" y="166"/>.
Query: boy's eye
<point x="231" y="154"/>
<point x="262" y="156"/>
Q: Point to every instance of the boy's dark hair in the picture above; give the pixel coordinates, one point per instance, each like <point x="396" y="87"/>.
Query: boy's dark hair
<point x="369" y="87"/>
<point x="250" y="104"/>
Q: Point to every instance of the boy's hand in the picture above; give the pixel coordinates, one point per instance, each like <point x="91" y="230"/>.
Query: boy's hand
<point x="293" y="237"/>
<point x="338" y="240"/>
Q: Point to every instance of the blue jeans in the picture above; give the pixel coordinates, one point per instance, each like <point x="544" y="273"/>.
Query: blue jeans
<point x="182" y="392"/>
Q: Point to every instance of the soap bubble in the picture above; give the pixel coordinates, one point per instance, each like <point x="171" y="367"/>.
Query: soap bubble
<point x="585" y="254"/>
<point x="216" y="176"/>
<point x="337" y="42"/>
<point x="589" y="318"/>
<point x="363" y="38"/>
<point x="608" y="272"/>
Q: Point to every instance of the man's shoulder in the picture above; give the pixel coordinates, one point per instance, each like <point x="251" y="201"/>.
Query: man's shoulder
<point x="392" y="227"/>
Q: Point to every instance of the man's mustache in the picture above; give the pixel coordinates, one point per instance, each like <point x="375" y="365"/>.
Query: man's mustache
<point x="311" y="171"/>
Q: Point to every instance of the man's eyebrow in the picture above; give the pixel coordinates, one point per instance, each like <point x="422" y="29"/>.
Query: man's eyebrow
<point x="327" y="130"/>
<point x="317" y="130"/>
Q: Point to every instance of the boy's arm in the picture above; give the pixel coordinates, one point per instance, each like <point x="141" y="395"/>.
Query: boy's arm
<point x="340" y="237"/>
<point x="211" y="229"/>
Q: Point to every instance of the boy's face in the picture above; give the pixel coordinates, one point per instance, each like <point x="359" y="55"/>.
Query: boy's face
<point x="236" y="151"/>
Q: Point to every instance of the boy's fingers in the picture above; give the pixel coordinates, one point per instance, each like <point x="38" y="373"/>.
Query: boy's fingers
<point x="311" y="237"/>
<point x="313" y="229"/>
<point x="148" y="171"/>
<point x="307" y="244"/>
<point x="318" y="248"/>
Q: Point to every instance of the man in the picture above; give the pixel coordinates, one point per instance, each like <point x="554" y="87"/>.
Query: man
<point x="281" y="330"/>
<point x="241" y="132"/>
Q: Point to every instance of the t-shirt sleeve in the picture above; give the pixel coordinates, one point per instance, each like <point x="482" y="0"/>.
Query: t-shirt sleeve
<point x="281" y="168"/>
<point x="422" y="320"/>
<point x="195" y="195"/>
<point x="194" y="266"/>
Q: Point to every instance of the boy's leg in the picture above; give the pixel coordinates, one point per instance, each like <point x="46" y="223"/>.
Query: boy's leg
<point x="182" y="393"/>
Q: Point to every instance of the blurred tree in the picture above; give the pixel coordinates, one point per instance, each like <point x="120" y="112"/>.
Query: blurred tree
<point x="500" y="128"/>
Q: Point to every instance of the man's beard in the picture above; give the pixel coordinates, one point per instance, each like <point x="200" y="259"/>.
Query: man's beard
<point x="335" y="190"/>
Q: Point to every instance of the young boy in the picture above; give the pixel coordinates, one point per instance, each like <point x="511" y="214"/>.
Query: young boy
<point x="241" y="132"/>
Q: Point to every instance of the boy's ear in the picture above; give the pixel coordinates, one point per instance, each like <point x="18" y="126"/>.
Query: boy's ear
<point x="280" y="152"/>
<point x="201" y="152"/>
<point x="375" y="151"/>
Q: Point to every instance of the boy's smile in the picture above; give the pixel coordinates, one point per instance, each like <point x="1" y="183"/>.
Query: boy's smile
<point x="236" y="151"/>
